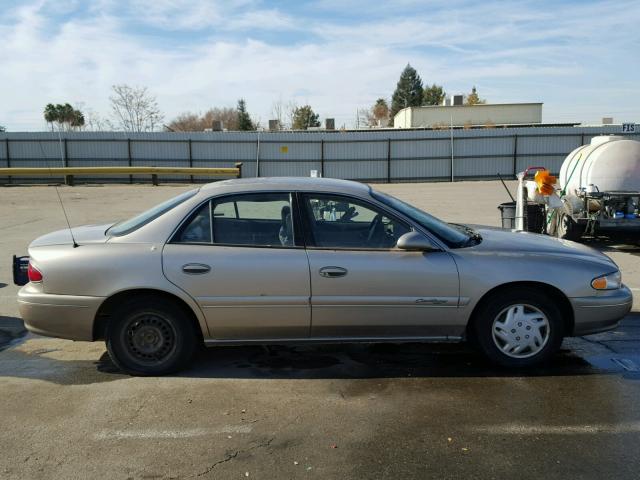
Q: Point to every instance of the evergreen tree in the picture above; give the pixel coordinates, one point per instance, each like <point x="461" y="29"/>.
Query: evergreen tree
<point x="408" y="92"/>
<point x="433" y="95"/>
<point x="304" y="117"/>
<point x="244" y="119"/>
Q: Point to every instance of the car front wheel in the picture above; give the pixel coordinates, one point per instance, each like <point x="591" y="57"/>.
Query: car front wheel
<point x="519" y="328"/>
<point x="150" y="336"/>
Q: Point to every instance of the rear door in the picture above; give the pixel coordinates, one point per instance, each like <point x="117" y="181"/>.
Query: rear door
<point x="240" y="257"/>
<point x="362" y="286"/>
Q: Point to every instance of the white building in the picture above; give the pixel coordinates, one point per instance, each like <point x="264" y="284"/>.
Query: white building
<point x="469" y="115"/>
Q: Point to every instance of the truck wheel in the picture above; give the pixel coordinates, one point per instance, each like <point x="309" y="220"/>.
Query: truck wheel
<point x="568" y="229"/>
<point x="519" y="328"/>
<point x="150" y="336"/>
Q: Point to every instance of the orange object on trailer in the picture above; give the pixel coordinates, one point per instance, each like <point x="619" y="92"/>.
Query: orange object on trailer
<point x="545" y="182"/>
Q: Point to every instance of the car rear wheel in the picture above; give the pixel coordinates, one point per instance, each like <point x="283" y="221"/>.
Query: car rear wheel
<point x="150" y="336"/>
<point x="519" y="328"/>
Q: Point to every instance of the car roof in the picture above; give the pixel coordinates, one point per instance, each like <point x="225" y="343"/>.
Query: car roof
<point x="285" y="183"/>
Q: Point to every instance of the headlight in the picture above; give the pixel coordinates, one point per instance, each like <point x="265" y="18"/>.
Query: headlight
<point x="607" y="282"/>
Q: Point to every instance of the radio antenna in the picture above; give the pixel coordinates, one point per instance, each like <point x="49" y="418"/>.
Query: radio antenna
<point x="64" y="211"/>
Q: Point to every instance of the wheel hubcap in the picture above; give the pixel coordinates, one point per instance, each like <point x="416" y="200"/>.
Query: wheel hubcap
<point x="521" y="331"/>
<point x="149" y="338"/>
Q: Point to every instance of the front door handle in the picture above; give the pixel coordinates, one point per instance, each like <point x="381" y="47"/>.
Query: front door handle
<point x="195" y="268"/>
<point x="333" y="272"/>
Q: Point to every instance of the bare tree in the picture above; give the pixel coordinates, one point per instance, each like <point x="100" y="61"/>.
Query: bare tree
<point x="135" y="109"/>
<point x="196" y="122"/>
<point x="364" y="118"/>
<point x="187" y="122"/>
<point x="290" y="111"/>
<point x="278" y="113"/>
<point x="94" y="122"/>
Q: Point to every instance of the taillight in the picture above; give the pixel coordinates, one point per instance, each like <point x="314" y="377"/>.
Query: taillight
<point x="34" y="274"/>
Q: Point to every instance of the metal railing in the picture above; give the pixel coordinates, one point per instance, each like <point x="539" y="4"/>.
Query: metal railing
<point x="69" y="172"/>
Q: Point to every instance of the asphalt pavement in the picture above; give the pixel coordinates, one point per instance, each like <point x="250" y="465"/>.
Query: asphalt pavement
<point x="332" y="411"/>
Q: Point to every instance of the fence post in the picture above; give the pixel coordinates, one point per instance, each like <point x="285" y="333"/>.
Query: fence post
<point x="190" y="160"/>
<point x="258" y="156"/>
<point x="515" y="156"/>
<point x="65" y="159"/>
<point x="129" y="157"/>
<point x="452" y="166"/>
<point x="68" y="179"/>
<point x="6" y="148"/>
<point x="388" y="160"/>
<point x="582" y="139"/>
<point x="322" y="158"/>
<point x="239" y="167"/>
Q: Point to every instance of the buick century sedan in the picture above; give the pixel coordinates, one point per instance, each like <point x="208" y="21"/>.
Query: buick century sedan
<point x="293" y="260"/>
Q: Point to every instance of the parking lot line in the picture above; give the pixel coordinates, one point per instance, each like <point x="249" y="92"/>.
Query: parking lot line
<point x="155" y="434"/>
<point x="519" y="429"/>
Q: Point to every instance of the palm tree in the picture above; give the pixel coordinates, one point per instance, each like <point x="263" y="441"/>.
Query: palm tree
<point x="50" y="114"/>
<point x="77" y="121"/>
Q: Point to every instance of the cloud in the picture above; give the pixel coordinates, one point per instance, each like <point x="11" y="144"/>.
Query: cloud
<point x="336" y="56"/>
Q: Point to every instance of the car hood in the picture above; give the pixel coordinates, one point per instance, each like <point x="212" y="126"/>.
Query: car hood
<point x="83" y="235"/>
<point x="524" y="243"/>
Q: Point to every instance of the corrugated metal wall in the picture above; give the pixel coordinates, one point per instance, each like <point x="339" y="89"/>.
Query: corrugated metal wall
<point x="378" y="156"/>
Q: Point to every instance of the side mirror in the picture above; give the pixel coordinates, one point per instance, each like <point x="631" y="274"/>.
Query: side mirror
<point x="415" y="241"/>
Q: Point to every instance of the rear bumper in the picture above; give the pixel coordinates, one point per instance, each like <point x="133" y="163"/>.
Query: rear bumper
<point x="62" y="316"/>
<point x="602" y="312"/>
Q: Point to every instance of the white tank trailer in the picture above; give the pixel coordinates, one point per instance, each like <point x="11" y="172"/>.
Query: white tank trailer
<point x="599" y="187"/>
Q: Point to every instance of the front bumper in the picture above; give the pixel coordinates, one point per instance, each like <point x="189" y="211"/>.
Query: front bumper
<point x="601" y="312"/>
<point x="62" y="316"/>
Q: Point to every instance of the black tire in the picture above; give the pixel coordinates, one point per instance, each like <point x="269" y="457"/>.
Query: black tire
<point x="568" y="229"/>
<point x="150" y="336"/>
<point x="495" y="308"/>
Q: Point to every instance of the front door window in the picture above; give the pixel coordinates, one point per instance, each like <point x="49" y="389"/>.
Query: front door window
<point x="334" y="221"/>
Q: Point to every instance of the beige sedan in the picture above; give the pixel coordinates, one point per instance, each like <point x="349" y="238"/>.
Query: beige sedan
<point x="292" y="260"/>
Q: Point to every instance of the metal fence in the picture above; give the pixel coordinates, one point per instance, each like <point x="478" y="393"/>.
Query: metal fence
<point x="372" y="156"/>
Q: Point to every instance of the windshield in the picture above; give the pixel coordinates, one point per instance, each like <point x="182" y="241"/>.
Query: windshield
<point x="127" y="226"/>
<point x="452" y="236"/>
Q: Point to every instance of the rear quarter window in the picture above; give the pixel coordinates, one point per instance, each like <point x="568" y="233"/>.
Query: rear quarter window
<point x="127" y="226"/>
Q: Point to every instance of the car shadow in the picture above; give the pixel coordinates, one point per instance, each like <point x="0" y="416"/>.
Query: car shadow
<point x="612" y="245"/>
<point x="11" y="331"/>
<point x="616" y="352"/>
<point x="340" y="361"/>
<point x="366" y="361"/>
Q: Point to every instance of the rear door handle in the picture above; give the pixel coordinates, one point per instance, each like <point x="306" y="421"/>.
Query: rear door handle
<point x="195" y="268"/>
<point x="332" y="272"/>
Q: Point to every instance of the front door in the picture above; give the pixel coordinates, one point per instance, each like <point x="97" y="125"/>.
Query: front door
<point x="237" y="256"/>
<point x="362" y="286"/>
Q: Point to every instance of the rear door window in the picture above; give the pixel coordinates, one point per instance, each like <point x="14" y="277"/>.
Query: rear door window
<point x="257" y="219"/>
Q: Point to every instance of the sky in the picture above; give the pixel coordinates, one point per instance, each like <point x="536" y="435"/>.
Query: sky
<point x="581" y="58"/>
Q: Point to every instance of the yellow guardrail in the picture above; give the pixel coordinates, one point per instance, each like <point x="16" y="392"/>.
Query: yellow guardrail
<point x="69" y="172"/>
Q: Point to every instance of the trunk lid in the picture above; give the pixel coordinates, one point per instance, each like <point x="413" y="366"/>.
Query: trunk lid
<point x="83" y="235"/>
